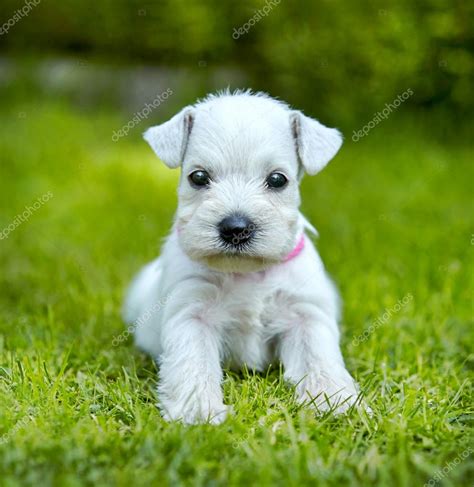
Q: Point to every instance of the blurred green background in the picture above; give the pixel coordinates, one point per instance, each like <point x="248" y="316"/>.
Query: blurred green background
<point x="340" y="60"/>
<point x="394" y="211"/>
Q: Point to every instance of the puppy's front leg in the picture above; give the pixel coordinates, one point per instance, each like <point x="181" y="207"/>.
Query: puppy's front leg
<point x="190" y="371"/>
<point x="309" y="350"/>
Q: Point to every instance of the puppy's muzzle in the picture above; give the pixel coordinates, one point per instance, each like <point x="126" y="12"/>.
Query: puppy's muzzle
<point x="236" y="230"/>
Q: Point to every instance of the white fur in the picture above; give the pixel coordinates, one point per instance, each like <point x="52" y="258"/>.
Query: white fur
<point x="207" y="307"/>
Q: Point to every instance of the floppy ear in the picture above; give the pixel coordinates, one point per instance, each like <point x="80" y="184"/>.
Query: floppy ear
<point x="316" y="144"/>
<point x="169" y="140"/>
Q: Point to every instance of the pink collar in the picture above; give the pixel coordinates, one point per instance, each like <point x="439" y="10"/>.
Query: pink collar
<point x="297" y="250"/>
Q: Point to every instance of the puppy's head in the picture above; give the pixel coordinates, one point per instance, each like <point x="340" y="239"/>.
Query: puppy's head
<point x="242" y="157"/>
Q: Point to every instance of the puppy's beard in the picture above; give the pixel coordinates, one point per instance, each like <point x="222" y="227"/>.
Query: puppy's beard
<point x="269" y="246"/>
<point x="233" y="260"/>
<point x="238" y="263"/>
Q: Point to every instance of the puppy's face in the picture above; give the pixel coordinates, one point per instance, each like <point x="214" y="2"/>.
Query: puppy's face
<point x="242" y="158"/>
<point x="238" y="194"/>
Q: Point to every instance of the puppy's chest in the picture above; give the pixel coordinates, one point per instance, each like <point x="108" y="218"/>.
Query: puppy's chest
<point x="247" y="303"/>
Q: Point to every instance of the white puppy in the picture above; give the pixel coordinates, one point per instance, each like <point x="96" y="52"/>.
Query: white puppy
<point x="238" y="281"/>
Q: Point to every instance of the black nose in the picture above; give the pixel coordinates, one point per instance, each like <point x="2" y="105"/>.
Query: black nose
<point x="236" y="229"/>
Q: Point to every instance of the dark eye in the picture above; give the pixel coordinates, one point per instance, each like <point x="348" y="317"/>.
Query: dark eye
<point x="276" y="180"/>
<point x="199" y="178"/>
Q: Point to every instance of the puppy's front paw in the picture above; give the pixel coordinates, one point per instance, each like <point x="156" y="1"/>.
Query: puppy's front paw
<point x="198" y="409"/>
<point x="334" y="391"/>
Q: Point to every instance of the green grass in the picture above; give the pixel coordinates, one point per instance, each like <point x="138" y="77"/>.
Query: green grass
<point x="394" y="212"/>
